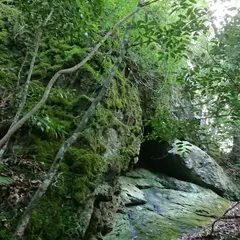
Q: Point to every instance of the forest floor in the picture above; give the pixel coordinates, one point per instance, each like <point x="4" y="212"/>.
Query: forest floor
<point x="225" y="227"/>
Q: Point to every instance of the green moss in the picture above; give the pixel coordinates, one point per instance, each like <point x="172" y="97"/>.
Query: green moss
<point x="87" y="167"/>
<point x="83" y="188"/>
<point x="155" y="232"/>
<point x="84" y="162"/>
<point x="72" y="52"/>
<point x="83" y="166"/>
<point x="102" y="118"/>
<point x="123" y="96"/>
<point x="8" y="58"/>
<point x="58" y="96"/>
<point x="55" y="55"/>
<point x="128" y="151"/>
<point x="52" y="219"/>
<point x="117" y="94"/>
<point x="56" y="118"/>
<point x="81" y="104"/>
<point x="90" y="69"/>
<point x="95" y="134"/>
<point x="78" y="174"/>
<point x="44" y="150"/>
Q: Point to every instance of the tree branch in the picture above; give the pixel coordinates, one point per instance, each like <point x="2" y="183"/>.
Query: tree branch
<point x="223" y="217"/>
<point x="39" y="105"/>
<point x="20" y="70"/>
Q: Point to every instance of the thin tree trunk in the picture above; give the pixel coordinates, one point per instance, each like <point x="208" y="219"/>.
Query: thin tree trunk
<point x="20" y="70"/>
<point x="24" y="91"/>
<point x="68" y="143"/>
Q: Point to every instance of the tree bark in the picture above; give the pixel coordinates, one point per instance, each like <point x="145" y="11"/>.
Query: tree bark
<point x="235" y="153"/>
<point x="24" y="92"/>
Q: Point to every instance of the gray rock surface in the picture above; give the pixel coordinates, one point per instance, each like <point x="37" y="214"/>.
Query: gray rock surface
<point x="113" y="145"/>
<point x="158" y="207"/>
<point x="198" y="167"/>
<point x="130" y="194"/>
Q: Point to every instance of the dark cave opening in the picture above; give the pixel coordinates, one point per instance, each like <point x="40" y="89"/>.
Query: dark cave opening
<point x="154" y="156"/>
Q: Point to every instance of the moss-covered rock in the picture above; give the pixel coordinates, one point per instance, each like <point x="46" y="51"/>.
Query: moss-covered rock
<point x="54" y="218"/>
<point x="87" y="168"/>
<point x="105" y="149"/>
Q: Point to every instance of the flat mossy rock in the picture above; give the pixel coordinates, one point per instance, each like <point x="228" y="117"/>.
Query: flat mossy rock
<point x="171" y="208"/>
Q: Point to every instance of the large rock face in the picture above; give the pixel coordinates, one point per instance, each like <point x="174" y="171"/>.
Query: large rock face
<point x="158" y="207"/>
<point x="198" y="167"/>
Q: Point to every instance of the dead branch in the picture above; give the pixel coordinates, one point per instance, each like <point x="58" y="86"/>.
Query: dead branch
<point x="224" y="216"/>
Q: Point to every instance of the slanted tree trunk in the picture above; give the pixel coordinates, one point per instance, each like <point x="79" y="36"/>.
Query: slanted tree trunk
<point x="235" y="153"/>
<point x="24" y="92"/>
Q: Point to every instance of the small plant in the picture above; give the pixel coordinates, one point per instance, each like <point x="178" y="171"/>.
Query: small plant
<point x="165" y="127"/>
<point x="181" y="148"/>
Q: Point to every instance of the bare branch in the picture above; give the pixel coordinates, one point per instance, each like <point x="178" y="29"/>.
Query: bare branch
<point x="20" y="70"/>
<point x="223" y="217"/>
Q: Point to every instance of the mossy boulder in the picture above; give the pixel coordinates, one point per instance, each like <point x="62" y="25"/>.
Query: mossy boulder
<point x="104" y="150"/>
<point x="87" y="168"/>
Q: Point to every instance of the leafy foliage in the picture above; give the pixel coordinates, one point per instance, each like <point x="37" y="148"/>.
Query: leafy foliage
<point x="5" y="180"/>
<point x="214" y="81"/>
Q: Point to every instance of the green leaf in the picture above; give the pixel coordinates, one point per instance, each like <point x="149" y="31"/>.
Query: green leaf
<point x="5" y="180"/>
<point x="146" y="18"/>
<point x="232" y="8"/>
